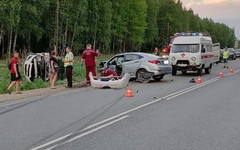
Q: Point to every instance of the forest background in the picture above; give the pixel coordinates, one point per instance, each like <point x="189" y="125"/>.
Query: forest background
<point x="112" y="26"/>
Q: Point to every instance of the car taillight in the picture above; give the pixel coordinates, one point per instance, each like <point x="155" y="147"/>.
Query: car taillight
<point x="154" y="62"/>
<point x="165" y="50"/>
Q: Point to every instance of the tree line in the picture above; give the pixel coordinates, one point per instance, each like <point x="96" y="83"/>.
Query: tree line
<point x="112" y="26"/>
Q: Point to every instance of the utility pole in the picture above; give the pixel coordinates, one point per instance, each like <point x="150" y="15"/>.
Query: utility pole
<point x="56" y="29"/>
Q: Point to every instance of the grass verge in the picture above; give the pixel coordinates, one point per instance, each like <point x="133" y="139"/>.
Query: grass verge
<point x="78" y="75"/>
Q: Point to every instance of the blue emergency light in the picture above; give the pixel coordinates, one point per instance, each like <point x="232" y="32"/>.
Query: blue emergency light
<point x="191" y="34"/>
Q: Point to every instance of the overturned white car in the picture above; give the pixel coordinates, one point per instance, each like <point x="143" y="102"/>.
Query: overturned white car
<point x="37" y="66"/>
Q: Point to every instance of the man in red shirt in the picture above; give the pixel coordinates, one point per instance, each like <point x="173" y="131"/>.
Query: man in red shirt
<point x="109" y="74"/>
<point x="89" y="56"/>
<point x="15" y="75"/>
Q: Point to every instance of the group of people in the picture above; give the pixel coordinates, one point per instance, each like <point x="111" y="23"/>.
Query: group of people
<point x="87" y="58"/>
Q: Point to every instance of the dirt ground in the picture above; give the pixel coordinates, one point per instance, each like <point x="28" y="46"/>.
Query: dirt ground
<point x="37" y="92"/>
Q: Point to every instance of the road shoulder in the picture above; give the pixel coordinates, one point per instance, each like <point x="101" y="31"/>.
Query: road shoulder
<point x="37" y="92"/>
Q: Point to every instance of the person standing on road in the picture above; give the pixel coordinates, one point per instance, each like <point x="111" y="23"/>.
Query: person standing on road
<point x="15" y="74"/>
<point x="89" y="55"/>
<point x="68" y="64"/>
<point x="53" y="69"/>
<point x="225" y="57"/>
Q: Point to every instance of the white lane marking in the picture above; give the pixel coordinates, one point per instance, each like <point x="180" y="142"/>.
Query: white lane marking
<point x="81" y="135"/>
<point x="197" y="85"/>
<point x="51" y="147"/>
<point x="89" y="132"/>
<point x="168" y="97"/>
<point x="51" y="142"/>
<point x="98" y="128"/>
<point x="144" y="105"/>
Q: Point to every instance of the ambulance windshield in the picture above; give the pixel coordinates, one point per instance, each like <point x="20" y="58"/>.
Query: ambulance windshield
<point x="189" y="48"/>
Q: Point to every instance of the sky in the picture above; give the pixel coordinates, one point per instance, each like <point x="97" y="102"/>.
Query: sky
<point x="222" y="11"/>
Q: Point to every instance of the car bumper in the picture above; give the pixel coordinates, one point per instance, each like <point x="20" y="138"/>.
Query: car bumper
<point x="162" y="70"/>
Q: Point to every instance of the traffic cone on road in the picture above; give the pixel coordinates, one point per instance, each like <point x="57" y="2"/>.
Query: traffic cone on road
<point x="231" y="70"/>
<point x="199" y="80"/>
<point x="129" y="92"/>
<point x="220" y="74"/>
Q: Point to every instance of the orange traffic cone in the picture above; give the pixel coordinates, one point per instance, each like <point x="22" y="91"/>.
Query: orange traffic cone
<point x="129" y="92"/>
<point x="231" y="70"/>
<point x="221" y="74"/>
<point x="199" y="80"/>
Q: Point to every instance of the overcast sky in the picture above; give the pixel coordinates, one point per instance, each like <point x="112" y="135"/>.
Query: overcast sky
<point x="222" y="11"/>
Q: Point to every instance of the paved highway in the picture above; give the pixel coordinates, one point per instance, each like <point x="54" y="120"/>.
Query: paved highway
<point x="171" y="114"/>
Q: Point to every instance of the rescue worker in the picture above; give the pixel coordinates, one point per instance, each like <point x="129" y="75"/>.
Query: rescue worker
<point x="88" y="56"/>
<point x="68" y="64"/>
<point x="15" y="74"/>
<point x="225" y="57"/>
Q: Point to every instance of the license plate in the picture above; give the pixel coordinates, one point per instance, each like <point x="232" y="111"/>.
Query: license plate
<point x="182" y="65"/>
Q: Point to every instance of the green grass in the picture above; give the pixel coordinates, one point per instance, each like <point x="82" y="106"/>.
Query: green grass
<point x="78" y="75"/>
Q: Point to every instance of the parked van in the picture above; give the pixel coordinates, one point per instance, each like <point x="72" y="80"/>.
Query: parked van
<point x="216" y="53"/>
<point x="191" y="52"/>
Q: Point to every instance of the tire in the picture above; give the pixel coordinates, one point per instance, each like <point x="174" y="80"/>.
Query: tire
<point x="199" y="72"/>
<point x="138" y="75"/>
<point x="158" y="78"/>
<point x="184" y="72"/>
<point x="174" y="71"/>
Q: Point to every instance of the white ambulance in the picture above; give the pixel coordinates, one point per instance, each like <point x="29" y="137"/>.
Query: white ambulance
<point x="191" y="52"/>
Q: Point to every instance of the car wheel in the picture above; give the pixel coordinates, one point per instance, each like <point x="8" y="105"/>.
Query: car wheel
<point x="139" y="75"/>
<point x="184" y="72"/>
<point x="174" y="71"/>
<point x="158" y="78"/>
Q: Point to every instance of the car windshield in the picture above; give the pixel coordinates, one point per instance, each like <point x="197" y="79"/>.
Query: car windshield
<point x="190" y="48"/>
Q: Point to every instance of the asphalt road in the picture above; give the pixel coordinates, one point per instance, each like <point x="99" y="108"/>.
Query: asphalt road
<point x="168" y="115"/>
